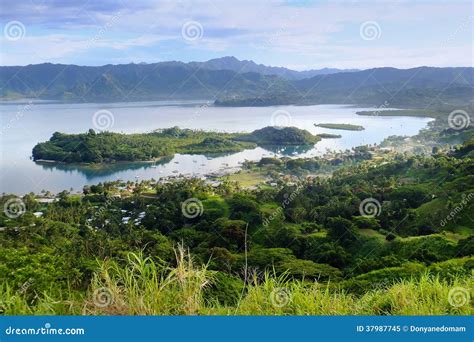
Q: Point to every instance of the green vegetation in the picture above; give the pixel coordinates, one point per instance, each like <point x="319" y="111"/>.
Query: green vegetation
<point x="321" y="166"/>
<point x="259" y="101"/>
<point x="247" y="179"/>
<point x="399" y="112"/>
<point x="142" y="286"/>
<point x="152" y="253"/>
<point x="106" y="147"/>
<point x="346" y="127"/>
<point x="328" y="136"/>
<point x="280" y="136"/>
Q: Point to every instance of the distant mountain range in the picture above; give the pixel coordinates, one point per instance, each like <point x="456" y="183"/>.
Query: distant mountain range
<point x="127" y="82"/>
<point x="235" y="82"/>
<point x="232" y="63"/>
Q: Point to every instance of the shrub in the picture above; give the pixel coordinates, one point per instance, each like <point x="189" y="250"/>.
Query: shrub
<point x="383" y="277"/>
<point x="225" y="289"/>
<point x="306" y="269"/>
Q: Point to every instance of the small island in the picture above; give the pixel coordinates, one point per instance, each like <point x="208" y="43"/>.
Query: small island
<point x="400" y="112"/>
<point x="328" y="136"/>
<point x="257" y="101"/>
<point x="289" y="136"/>
<point x="345" y="127"/>
<point x="107" y="147"/>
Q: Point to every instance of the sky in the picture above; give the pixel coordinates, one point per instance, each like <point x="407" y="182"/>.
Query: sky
<point x="297" y="34"/>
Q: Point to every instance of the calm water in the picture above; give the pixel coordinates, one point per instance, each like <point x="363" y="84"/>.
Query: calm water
<point x="25" y="124"/>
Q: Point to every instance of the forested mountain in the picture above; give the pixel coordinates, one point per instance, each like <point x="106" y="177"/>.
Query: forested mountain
<point x="130" y="82"/>
<point x="386" y="87"/>
<point x="235" y="82"/>
<point x="232" y="63"/>
<point x="396" y="86"/>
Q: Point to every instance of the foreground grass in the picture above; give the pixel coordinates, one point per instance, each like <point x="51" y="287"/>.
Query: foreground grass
<point x="144" y="287"/>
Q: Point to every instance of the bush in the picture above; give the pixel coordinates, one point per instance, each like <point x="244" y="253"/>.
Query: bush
<point x="245" y="208"/>
<point x="383" y="277"/>
<point x="229" y="234"/>
<point x="343" y="231"/>
<point x="34" y="273"/>
<point x="363" y="222"/>
<point x="220" y="259"/>
<point x="412" y="195"/>
<point x="431" y="248"/>
<point x="319" y="250"/>
<point x="465" y="246"/>
<point x="453" y="268"/>
<point x="267" y="258"/>
<point x="309" y="270"/>
<point x="225" y="289"/>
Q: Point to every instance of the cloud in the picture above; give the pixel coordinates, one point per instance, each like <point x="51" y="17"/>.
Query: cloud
<point x="52" y="47"/>
<point x="292" y="32"/>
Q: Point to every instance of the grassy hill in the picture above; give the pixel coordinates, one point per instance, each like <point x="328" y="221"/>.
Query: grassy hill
<point x="363" y="241"/>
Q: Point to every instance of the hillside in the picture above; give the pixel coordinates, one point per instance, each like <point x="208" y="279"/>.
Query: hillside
<point x="170" y="80"/>
<point x="381" y="87"/>
<point x="364" y="241"/>
<point x="232" y="63"/>
<point x="239" y="83"/>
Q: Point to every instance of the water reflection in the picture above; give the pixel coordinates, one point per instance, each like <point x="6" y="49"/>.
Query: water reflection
<point x="288" y="150"/>
<point x="102" y="170"/>
<point x="166" y="166"/>
<point x="19" y="174"/>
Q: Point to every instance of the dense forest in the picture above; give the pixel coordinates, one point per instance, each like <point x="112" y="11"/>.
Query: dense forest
<point x="102" y="147"/>
<point x="391" y="236"/>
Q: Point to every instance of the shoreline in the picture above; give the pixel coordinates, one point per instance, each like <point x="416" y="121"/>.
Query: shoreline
<point x="98" y="165"/>
<point x="413" y="113"/>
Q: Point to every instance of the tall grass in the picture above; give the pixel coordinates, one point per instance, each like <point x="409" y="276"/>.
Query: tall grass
<point x="51" y="302"/>
<point x="145" y="287"/>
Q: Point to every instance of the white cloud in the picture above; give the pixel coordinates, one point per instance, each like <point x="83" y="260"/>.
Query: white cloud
<point x="321" y="35"/>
